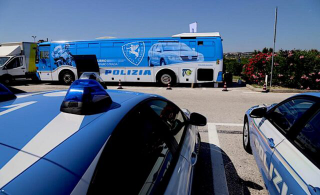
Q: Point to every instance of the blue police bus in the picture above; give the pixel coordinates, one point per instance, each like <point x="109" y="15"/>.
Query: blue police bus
<point x="182" y="58"/>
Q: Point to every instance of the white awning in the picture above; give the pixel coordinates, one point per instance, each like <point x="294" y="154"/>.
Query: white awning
<point x="211" y="34"/>
<point x="10" y="50"/>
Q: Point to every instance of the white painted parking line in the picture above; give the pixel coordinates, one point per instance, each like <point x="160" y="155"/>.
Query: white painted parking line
<point x="229" y="124"/>
<point x="218" y="172"/>
<point x="251" y="92"/>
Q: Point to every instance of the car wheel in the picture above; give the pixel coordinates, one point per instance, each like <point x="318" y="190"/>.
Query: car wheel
<point x="162" y="62"/>
<point x="149" y="62"/>
<point x="246" y="137"/>
<point x="67" y="77"/>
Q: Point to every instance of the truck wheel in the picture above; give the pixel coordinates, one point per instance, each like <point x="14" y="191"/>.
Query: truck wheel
<point x="6" y="80"/>
<point x="35" y="79"/>
<point x="166" y="77"/>
<point x="67" y="77"/>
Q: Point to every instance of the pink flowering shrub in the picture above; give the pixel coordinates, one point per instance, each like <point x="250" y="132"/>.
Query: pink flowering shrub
<point x="294" y="69"/>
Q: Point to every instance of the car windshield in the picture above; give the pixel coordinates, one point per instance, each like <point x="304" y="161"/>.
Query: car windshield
<point x="176" y="47"/>
<point x="3" y="60"/>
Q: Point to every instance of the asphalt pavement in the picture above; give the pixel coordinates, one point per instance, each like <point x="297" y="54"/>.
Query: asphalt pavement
<point x="223" y="166"/>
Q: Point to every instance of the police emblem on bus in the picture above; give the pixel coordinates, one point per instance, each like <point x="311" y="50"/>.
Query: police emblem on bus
<point x="186" y="72"/>
<point x="134" y="52"/>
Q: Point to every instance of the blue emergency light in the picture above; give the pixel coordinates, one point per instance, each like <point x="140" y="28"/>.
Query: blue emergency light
<point x="86" y="97"/>
<point x="6" y="94"/>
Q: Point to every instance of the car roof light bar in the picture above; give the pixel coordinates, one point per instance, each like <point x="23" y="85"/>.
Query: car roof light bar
<point x="86" y="97"/>
<point x="6" y="94"/>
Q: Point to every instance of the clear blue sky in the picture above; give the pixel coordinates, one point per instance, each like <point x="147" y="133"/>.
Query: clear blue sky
<point x="244" y="25"/>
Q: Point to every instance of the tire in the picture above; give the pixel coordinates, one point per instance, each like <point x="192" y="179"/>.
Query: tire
<point x="149" y="63"/>
<point x="6" y="80"/>
<point x="246" y="137"/>
<point x="67" y="77"/>
<point x="162" y="62"/>
<point x="166" y="77"/>
<point x="35" y="78"/>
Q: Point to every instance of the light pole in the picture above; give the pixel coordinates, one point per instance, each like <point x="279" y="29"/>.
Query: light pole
<point x="34" y="38"/>
<point x="274" y="45"/>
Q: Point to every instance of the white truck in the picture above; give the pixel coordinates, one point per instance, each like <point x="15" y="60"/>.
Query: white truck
<point x="17" y="60"/>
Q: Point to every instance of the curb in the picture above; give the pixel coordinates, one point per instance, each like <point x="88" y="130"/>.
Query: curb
<point x="281" y="90"/>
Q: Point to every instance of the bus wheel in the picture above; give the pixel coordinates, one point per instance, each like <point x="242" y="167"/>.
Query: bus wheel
<point x="166" y="77"/>
<point x="66" y="77"/>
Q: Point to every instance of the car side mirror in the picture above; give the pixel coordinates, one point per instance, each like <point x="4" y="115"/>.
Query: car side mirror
<point x="198" y="119"/>
<point x="258" y="112"/>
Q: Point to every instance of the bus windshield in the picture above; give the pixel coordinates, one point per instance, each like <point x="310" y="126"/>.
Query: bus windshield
<point x="176" y="47"/>
<point x="3" y="60"/>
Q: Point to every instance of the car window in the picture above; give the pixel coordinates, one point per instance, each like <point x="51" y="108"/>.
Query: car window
<point x="44" y="54"/>
<point x="286" y="114"/>
<point x="308" y="139"/>
<point x="171" y="115"/>
<point x="157" y="48"/>
<point x="15" y="63"/>
<point x="3" y="60"/>
<point x="137" y="156"/>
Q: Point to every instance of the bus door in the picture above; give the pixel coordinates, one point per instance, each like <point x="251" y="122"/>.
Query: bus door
<point x="86" y="63"/>
<point x="206" y="52"/>
<point x="44" y="65"/>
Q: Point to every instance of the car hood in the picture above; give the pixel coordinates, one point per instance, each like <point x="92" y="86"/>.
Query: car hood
<point x="37" y="140"/>
<point x="23" y="118"/>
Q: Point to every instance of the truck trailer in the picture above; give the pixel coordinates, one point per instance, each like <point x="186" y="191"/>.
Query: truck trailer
<point x="17" y="60"/>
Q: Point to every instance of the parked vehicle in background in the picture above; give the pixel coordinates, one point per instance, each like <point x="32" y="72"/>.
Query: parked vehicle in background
<point x="172" y="52"/>
<point x="285" y="141"/>
<point x="17" y="60"/>
<point x="182" y="58"/>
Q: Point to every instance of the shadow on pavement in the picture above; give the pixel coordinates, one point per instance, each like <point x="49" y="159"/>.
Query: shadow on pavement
<point x="15" y="90"/>
<point x="203" y="178"/>
<point x="26" y="82"/>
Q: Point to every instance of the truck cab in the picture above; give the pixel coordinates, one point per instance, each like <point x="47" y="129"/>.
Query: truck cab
<point x="17" y="60"/>
<point x="14" y="67"/>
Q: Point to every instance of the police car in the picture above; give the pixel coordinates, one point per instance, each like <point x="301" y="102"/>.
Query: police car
<point x="89" y="140"/>
<point x="285" y="141"/>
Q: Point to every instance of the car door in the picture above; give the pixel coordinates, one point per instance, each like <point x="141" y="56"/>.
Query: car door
<point x="296" y="159"/>
<point x="44" y="65"/>
<point x="284" y="119"/>
<point x="264" y="136"/>
<point x="150" y="55"/>
<point x="15" y="67"/>
<point x="157" y="54"/>
<point x="186" y="137"/>
<point x="141" y="153"/>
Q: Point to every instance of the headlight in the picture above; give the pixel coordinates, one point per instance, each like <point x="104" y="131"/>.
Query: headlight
<point x="200" y="58"/>
<point x="174" y="58"/>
